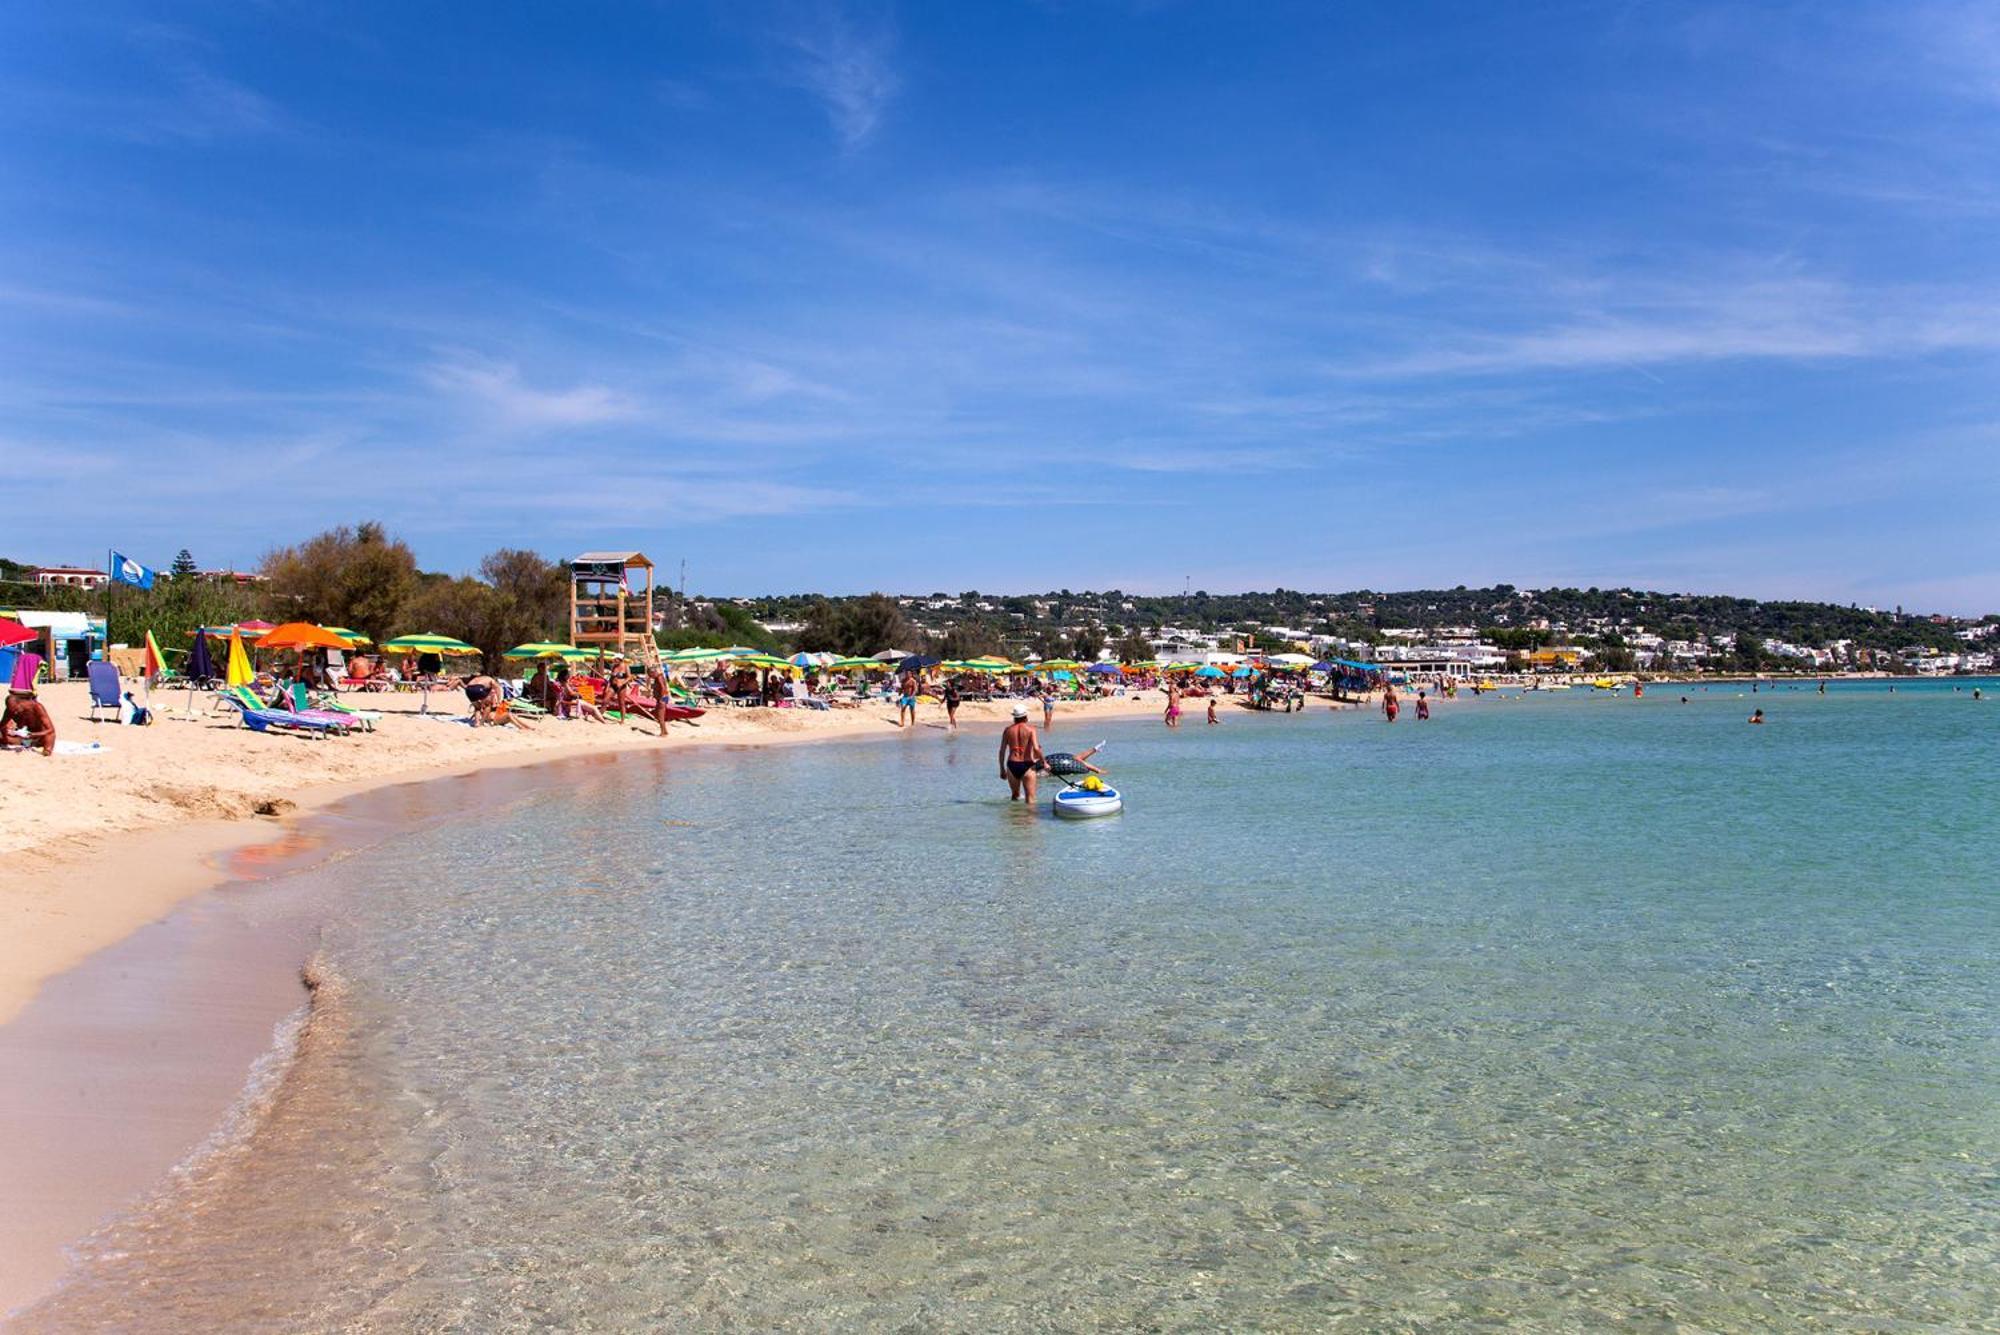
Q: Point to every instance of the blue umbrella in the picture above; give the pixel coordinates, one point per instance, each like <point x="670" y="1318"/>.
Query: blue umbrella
<point x="1244" y="672"/>
<point x="917" y="662"/>
<point x="1103" y="669"/>
<point x="200" y="666"/>
<point x="1210" y="671"/>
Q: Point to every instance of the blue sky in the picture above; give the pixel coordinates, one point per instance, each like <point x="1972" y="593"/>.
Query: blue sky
<point x="974" y="295"/>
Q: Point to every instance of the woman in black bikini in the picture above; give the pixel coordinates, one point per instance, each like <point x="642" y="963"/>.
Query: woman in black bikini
<point x="1020" y="756"/>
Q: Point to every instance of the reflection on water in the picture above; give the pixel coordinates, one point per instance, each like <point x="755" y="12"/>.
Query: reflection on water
<point x="1561" y="1013"/>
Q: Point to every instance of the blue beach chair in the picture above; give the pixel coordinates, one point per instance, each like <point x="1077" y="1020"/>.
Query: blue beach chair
<point x="105" y="690"/>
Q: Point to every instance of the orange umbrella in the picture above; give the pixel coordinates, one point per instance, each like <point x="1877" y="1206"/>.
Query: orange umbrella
<point x="300" y="635"/>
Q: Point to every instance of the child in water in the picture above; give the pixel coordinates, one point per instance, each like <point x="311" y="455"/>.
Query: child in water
<point x="1211" y="711"/>
<point x="1423" y="707"/>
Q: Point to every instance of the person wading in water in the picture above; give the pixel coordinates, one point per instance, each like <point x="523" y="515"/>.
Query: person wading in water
<point x="1020" y="756"/>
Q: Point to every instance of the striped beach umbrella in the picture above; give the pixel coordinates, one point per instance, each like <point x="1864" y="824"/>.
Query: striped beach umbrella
<point x="443" y="645"/>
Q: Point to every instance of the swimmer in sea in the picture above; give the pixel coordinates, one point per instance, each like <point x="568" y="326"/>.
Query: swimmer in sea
<point x="1757" y="717"/>
<point x="1423" y="707"/>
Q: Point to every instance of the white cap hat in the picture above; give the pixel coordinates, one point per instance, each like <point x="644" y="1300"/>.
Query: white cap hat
<point x="1020" y="711"/>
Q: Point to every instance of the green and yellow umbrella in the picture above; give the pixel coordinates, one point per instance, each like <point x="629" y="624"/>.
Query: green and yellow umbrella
<point x="1058" y="665"/>
<point x="762" y="661"/>
<point x="990" y="664"/>
<point x="695" y="656"/>
<point x="858" y="665"/>
<point x="546" y="649"/>
<point x="353" y="637"/>
<point x="443" y="645"/>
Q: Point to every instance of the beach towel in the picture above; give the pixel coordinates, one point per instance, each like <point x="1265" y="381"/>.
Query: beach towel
<point x="26" y="667"/>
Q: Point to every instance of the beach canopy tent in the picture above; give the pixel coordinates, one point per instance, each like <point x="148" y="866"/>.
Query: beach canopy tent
<point x="300" y="635"/>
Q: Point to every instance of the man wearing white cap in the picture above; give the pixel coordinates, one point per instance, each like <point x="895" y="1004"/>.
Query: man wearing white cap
<point x="1020" y="756"/>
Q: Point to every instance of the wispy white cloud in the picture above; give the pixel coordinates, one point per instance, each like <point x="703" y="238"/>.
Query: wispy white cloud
<point x="496" y="392"/>
<point x="848" y="68"/>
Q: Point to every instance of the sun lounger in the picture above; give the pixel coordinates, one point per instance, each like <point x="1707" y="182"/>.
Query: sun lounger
<point x="303" y="703"/>
<point x="801" y="696"/>
<point x="284" y="720"/>
<point x="245" y="698"/>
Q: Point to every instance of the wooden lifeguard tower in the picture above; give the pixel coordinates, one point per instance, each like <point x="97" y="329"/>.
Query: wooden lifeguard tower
<point x="610" y="610"/>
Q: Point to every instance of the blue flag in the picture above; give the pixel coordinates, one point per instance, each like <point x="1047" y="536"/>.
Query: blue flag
<point x="127" y="571"/>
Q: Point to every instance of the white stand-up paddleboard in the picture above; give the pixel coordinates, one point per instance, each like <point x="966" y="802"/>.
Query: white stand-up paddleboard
<point x="1082" y="803"/>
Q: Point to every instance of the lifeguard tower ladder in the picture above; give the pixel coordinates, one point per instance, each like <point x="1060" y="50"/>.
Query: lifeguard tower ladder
<point x="609" y="610"/>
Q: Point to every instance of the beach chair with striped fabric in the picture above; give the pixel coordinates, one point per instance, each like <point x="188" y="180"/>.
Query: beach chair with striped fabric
<point x="244" y="697"/>
<point x="259" y="719"/>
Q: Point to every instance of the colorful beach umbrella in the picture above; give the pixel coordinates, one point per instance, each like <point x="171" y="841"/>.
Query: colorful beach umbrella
<point x="13" y="632"/>
<point x="300" y="635"/>
<point x="353" y="637"/>
<point x="1103" y="669"/>
<point x="156" y="662"/>
<point x="239" y="672"/>
<point x="545" y="650"/>
<point x="760" y="661"/>
<point x="695" y="656"/>
<point x="429" y="644"/>
<point x="1207" y="671"/>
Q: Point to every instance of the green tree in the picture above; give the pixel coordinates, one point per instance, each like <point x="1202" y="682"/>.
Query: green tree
<point x="355" y="577"/>
<point x="183" y="565"/>
<point x="1134" y="648"/>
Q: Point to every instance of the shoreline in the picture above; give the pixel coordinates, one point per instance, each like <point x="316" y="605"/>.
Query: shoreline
<point x="106" y="1025"/>
<point x="182" y="819"/>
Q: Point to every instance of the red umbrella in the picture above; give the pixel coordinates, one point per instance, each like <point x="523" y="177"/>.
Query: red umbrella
<point x="13" y="632"/>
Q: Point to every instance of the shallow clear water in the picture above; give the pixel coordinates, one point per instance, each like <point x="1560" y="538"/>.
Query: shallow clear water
<point x="1554" y="1012"/>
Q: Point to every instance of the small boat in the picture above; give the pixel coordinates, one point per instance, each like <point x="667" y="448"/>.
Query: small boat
<point x="1083" y="803"/>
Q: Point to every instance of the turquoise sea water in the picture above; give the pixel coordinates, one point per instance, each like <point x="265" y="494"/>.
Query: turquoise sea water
<point x="1561" y="1012"/>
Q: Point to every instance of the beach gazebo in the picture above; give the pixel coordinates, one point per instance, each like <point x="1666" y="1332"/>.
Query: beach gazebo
<point x="611" y="603"/>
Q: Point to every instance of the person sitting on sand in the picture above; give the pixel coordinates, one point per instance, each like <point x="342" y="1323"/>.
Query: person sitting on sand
<point x="30" y="717"/>
<point x="1212" y="719"/>
<point x="482" y="693"/>
<point x="1020" y="756"/>
<point x="570" y="701"/>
